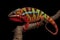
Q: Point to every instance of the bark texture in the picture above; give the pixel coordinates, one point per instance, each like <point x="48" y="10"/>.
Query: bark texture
<point x="18" y="33"/>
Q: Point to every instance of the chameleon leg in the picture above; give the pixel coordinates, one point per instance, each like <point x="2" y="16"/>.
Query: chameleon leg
<point x="26" y="27"/>
<point x="27" y="24"/>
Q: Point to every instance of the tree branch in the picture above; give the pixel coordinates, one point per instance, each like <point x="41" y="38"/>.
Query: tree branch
<point x="56" y="16"/>
<point x="18" y="33"/>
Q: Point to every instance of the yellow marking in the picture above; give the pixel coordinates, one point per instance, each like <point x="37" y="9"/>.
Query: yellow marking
<point x="32" y="19"/>
<point x="38" y="12"/>
<point x="47" y="17"/>
<point x="34" y="16"/>
<point x="33" y="10"/>
<point x="42" y="14"/>
<point x="24" y="9"/>
<point x="28" y="16"/>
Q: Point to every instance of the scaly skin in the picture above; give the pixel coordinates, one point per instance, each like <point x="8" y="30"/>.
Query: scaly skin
<point x="30" y="15"/>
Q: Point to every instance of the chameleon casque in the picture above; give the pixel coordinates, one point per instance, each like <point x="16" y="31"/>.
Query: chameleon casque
<point x="31" y="15"/>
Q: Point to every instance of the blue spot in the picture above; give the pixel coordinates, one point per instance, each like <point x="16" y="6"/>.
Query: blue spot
<point x="29" y="12"/>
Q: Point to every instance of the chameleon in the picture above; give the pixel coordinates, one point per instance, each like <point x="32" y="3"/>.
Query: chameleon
<point x="31" y="15"/>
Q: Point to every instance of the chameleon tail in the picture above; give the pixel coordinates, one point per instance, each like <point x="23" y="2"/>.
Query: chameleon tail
<point x="49" y="19"/>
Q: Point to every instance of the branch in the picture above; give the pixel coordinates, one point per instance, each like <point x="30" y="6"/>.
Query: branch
<point x="56" y="16"/>
<point x="18" y="33"/>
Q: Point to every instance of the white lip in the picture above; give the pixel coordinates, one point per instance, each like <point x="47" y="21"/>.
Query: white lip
<point x="14" y="16"/>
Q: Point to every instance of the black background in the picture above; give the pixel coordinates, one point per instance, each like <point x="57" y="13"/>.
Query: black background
<point x="50" y="7"/>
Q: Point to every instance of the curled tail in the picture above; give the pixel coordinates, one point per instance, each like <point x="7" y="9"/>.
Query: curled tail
<point x="50" y="20"/>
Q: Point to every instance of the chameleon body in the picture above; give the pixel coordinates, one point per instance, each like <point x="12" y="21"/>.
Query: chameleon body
<point x="30" y="15"/>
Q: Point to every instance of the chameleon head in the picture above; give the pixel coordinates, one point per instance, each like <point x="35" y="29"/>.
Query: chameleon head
<point x="16" y="15"/>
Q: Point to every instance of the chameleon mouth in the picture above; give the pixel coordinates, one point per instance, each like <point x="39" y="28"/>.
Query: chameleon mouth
<point x="15" y="18"/>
